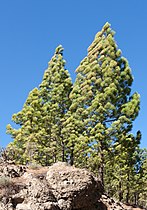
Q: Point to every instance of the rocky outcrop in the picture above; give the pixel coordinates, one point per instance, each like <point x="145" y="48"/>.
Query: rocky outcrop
<point x="110" y="203"/>
<point x="58" y="187"/>
<point x="73" y="188"/>
<point x="11" y="170"/>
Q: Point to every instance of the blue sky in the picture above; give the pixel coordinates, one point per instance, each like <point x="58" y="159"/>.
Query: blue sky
<point x="30" y="30"/>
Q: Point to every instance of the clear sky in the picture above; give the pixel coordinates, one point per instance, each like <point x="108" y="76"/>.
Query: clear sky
<point x="30" y="30"/>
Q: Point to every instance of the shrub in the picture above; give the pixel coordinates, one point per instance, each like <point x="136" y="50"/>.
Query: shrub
<point x="5" y="181"/>
<point x="34" y="166"/>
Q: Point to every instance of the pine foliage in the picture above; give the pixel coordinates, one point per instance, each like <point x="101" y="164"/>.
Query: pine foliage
<point x="39" y="136"/>
<point x="87" y="124"/>
<point x="103" y="109"/>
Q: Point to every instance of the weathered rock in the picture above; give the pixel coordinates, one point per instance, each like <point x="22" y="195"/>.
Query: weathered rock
<point x="38" y="206"/>
<point x="59" y="187"/>
<point x="110" y="203"/>
<point x="11" y="170"/>
<point x="23" y="207"/>
<point x="74" y="188"/>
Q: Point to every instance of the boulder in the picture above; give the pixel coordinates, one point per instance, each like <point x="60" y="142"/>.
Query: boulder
<point x="74" y="188"/>
<point x="60" y="187"/>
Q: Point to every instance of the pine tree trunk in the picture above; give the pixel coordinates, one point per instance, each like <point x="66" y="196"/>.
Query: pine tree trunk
<point x="71" y="158"/>
<point x="101" y="166"/>
<point x="136" y="198"/>
<point x="63" y="152"/>
<point x="120" y="193"/>
<point x="128" y="189"/>
<point x="127" y="195"/>
<point x="72" y="154"/>
<point x="101" y="173"/>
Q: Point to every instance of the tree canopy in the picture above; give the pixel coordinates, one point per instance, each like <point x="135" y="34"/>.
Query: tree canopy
<point x="88" y="123"/>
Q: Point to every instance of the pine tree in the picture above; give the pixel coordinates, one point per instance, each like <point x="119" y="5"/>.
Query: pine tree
<point x="120" y="168"/>
<point x="139" y="192"/>
<point x="39" y="136"/>
<point x="88" y="124"/>
<point x="143" y="187"/>
<point x="26" y="138"/>
<point x="103" y="108"/>
<point x="55" y="89"/>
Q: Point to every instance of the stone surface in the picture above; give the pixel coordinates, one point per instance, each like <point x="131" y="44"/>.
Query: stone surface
<point x="74" y="188"/>
<point x="59" y="187"/>
<point x="11" y="170"/>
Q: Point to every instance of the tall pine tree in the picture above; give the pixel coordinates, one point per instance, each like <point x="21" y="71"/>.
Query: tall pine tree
<point x="103" y="109"/>
<point x="39" y="137"/>
<point x="55" y="89"/>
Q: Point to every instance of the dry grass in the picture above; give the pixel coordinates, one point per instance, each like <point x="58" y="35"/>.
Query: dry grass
<point x="8" y="187"/>
<point x="5" y="181"/>
<point x="34" y="166"/>
<point x="37" y="171"/>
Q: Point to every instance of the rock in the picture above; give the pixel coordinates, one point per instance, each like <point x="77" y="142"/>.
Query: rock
<point x="39" y="206"/>
<point x="74" y="188"/>
<point x="65" y="204"/>
<point x="59" y="187"/>
<point x="110" y="203"/>
<point x="11" y="170"/>
<point x="23" y="207"/>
